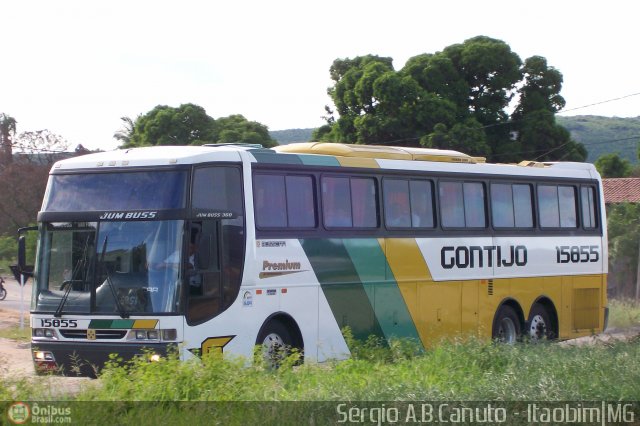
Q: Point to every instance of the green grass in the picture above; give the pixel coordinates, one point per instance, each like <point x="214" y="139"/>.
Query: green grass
<point x="467" y="370"/>
<point x="624" y="313"/>
<point x="16" y="334"/>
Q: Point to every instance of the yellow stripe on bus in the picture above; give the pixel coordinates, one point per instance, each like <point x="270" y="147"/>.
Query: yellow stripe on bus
<point x="409" y="268"/>
<point x="138" y="324"/>
<point x="368" y="163"/>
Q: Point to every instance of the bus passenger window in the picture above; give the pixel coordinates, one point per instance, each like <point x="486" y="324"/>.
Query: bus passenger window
<point x="474" y="216"/>
<point x="300" y="202"/>
<point x="396" y="203"/>
<point x="269" y="199"/>
<point x="567" y="199"/>
<point x="363" y="201"/>
<point x="462" y="204"/>
<point x="548" y="204"/>
<point x="336" y="202"/>
<point x="522" y="207"/>
<point x="421" y="204"/>
<point x="451" y="204"/>
<point x="588" y="207"/>
<point x="511" y="206"/>
<point x="502" y="206"/>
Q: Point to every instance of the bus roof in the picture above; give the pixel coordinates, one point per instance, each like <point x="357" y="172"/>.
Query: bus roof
<point x="379" y="152"/>
<point x="336" y="154"/>
<point x="152" y="156"/>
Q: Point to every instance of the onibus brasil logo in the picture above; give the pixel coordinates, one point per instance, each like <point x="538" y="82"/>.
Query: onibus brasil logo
<point x="19" y="413"/>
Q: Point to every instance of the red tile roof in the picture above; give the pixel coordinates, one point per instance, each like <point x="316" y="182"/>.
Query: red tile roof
<point x="620" y="190"/>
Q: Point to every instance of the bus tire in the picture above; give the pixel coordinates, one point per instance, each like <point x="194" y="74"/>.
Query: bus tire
<point x="506" y="325"/>
<point x="276" y="343"/>
<point x="539" y="325"/>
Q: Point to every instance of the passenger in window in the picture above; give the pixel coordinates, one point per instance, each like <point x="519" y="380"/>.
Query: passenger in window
<point x="399" y="215"/>
<point x="420" y="216"/>
<point x="339" y="217"/>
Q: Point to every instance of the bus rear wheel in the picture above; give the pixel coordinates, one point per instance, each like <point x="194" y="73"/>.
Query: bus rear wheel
<point x="506" y="325"/>
<point x="539" y="324"/>
<point x="276" y="342"/>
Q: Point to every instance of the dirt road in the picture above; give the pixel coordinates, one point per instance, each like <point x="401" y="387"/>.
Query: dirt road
<point x="15" y="356"/>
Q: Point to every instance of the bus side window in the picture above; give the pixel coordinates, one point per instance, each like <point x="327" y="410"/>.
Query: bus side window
<point x="548" y="205"/>
<point x="213" y="273"/>
<point x="270" y="202"/>
<point x="462" y="204"/>
<point x="396" y="203"/>
<point x="589" y="218"/>
<point x="336" y="202"/>
<point x="567" y="201"/>
<point x="451" y="204"/>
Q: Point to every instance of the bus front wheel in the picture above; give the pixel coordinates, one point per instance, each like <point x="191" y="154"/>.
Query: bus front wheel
<point x="276" y="342"/>
<point x="506" y="325"/>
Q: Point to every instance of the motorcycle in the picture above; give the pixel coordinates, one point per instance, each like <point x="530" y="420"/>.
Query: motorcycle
<point x="3" y="291"/>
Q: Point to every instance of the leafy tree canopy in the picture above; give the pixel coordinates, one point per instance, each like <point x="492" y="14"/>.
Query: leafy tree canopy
<point x="454" y="99"/>
<point x="189" y="124"/>
<point x="612" y="166"/>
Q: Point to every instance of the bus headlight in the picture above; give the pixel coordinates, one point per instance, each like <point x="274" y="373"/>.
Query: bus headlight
<point x="43" y="356"/>
<point x="44" y="333"/>
<point x="167" y="334"/>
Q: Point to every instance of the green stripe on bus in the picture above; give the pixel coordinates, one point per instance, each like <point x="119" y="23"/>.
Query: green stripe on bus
<point x="319" y="160"/>
<point x="341" y="286"/>
<point x="107" y="324"/>
<point x="95" y="324"/>
<point x="266" y="156"/>
<point x="381" y="288"/>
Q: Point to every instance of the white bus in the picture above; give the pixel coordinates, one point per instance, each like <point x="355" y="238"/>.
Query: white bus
<point x="225" y="247"/>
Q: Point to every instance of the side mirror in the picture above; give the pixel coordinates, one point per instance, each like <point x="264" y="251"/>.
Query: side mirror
<point x="22" y="255"/>
<point x="23" y="268"/>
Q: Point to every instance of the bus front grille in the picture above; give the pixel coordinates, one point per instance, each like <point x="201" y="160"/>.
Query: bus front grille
<point x="100" y="334"/>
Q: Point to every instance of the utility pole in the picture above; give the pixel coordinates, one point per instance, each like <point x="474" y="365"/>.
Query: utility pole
<point x="638" y="276"/>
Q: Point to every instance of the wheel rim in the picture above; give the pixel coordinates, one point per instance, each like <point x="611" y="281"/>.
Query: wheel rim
<point x="537" y="328"/>
<point x="272" y="348"/>
<point x="507" y="331"/>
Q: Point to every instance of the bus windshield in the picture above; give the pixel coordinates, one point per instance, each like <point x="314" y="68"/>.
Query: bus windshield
<point x="128" y="267"/>
<point x="117" y="191"/>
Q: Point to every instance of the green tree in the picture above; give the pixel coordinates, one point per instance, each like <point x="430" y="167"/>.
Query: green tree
<point x="7" y="132"/>
<point x="236" y="128"/>
<point x="491" y="71"/>
<point x="125" y="134"/>
<point x="533" y="119"/>
<point x="457" y="98"/>
<point x="623" y="229"/>
<point x="468" y="137"/>
<point x="612" y="166"/>
<point x="189" y="124"/>
<point x="378" y="105"/>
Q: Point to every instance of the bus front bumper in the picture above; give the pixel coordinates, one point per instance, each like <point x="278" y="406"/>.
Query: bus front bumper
<point x="87" y="359"/>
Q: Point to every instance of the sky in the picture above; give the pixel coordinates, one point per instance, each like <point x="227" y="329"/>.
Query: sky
<point x="75" y="67"/>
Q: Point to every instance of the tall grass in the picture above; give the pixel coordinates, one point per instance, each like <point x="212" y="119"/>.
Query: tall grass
<point x="624" y="313"/>
<point x="469" y="370"/>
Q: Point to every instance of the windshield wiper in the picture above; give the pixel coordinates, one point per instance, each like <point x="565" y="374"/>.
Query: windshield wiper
<point x="121" y="310"/>
<point x="82" y="261"/>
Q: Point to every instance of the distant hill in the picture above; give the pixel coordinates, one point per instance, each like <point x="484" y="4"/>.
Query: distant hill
<point x="288" y="136"/>
<point x="600" y="135"/>
<point x="604" y="135"/>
